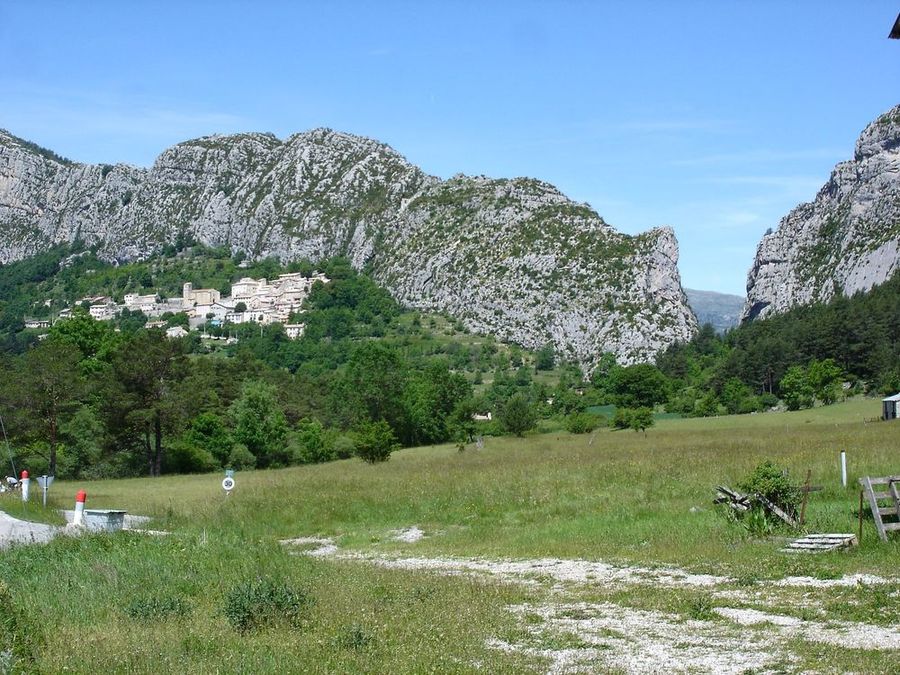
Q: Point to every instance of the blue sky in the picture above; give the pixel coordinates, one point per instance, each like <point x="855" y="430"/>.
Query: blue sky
<point x="713" y="117"/>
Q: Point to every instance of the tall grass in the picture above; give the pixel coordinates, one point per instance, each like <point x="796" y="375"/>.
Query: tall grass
<point x="136" y="603"/>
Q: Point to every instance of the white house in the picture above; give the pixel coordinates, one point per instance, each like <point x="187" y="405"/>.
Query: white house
<point x="103" y="311"/>
<point x="176" y="332"/>
<point x="294" y="330"/>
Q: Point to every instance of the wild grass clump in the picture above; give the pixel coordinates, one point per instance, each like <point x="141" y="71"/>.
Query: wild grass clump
<point x="354" y="637"/>
<point x="157" y="608"/>
<point x="262" y="602"/>
<point x="19" y="637"/>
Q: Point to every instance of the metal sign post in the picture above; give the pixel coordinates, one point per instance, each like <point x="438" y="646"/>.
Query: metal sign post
<point x="45" y="482"/>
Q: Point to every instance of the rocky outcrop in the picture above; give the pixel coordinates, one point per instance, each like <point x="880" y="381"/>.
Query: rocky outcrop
<point x="846" y="240"/>
<point x="515" y="258"/>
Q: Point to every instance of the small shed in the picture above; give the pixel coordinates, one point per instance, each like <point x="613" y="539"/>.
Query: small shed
<point x="890" y="407"/>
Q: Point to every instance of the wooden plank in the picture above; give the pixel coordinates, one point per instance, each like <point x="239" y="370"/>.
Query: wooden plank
<point x="890" y="527"/>
<point x="777" y="511"/>
<point x="820" y="543"/>
<point x="873" y="504"/>
<point x="883" y="480"/>
<point x="888" y="511"/>
<point x="892" y="487"/>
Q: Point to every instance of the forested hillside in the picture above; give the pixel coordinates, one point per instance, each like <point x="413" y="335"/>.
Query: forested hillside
<point x="94" y="399"/>
<point x="802" y="356"/>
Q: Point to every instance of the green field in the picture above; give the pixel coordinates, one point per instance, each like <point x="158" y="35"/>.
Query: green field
<point x="141" y="603"/>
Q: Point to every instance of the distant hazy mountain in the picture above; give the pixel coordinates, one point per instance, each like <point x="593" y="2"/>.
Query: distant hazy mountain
<point x="723" y="311"/>
<point x="511" y="257"/>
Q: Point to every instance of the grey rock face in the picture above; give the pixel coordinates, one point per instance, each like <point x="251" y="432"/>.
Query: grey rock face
<point x="846" y="240"/>
<point x="515" y="258"/>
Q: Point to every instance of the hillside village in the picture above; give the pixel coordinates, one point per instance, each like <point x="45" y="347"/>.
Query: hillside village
<point x="261" y="301"/>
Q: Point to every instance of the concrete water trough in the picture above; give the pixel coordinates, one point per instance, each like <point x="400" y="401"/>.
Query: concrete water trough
<point x="104" y="520"/>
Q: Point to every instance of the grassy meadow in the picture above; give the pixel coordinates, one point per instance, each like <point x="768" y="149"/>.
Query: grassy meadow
<point x="140" y="603"/>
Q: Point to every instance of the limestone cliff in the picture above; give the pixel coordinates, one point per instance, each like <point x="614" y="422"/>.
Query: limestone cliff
<point x="846" y="240"/>
<point x="515" y="258"/>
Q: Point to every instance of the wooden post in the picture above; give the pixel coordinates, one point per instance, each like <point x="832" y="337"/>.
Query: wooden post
<point x="805" y="496"/>
<point x="860" y="515"/>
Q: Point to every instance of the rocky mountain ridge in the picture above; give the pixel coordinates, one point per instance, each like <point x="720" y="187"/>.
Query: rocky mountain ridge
<point x="511" y="257"/>
<point x="846" y="240"/>
<point x="722" y="310"/>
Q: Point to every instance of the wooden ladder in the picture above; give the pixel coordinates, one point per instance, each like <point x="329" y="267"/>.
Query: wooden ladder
<point x="892" y="484"/>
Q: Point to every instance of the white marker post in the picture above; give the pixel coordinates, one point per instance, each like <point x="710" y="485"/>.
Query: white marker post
<point x="25" y="484"/>
<point x="80" y="498"/>
<point x="843" y="468"/>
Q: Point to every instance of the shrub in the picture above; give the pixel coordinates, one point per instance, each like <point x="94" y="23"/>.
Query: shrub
<point x="315" y="444"/>
<point x="641" y="419"/>
<point x="241" y="457"/>
<point x="771" y="482"/>
<point x="581" y="423"/>
<point x="375" y="442"/>
<point x="185" y="457"/>
<point x="344" y="446"/>
<point x="262" y="602"/>
<point x="621" y="419"/>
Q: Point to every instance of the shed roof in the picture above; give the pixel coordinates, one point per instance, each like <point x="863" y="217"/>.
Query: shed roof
<point x="895" y="397"/>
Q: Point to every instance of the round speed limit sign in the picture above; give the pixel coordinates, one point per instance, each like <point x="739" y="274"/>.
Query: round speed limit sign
<point x="228" y="484"/>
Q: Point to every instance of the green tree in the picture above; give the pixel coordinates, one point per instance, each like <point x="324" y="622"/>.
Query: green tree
<point x="375" y="441"/>
<point x="545" y="358"/>
<point x="737" y="397"/>
<point x="640" y="385"/>
<point x="795" y="389"/>
<point x="371" y="387"/>
<point x="517" y="415"/>
<point x="83" y="440"/>
<point x="824" y="378"/>
<point x="260" y="425"/>
<point x="143" y="392"/>
<point x="49" y="388"/>
<point x="95" y="339"/>
<point x="209" y="433"/>
<point x="315" y="444"/>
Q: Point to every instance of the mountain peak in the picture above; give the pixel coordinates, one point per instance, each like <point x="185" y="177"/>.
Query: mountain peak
<point x="512" y="257"/>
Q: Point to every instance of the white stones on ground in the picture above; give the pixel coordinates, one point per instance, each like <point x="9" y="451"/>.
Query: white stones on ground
<point x="639" y="641"/>
<point x="409" y="535"/>
<point x="322" y="545"/>
<point x="839" y="633"/>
